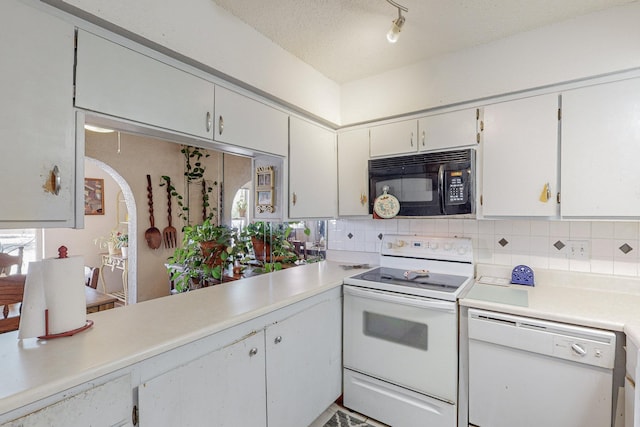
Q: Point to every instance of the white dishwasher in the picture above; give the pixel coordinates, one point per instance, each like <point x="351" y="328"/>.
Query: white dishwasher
<point x="531" y="373"/>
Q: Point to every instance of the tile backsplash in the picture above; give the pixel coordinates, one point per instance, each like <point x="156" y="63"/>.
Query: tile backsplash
<point x="611" y="247"/>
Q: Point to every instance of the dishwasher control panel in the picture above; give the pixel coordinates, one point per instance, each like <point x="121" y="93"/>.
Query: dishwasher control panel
<point x="568" y="342"/>
<point x="586" y="351"/>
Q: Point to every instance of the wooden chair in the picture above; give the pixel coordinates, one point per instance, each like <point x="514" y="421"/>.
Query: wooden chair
<point x="7" y="261"/>
<point x="11" y="291"/>
<point x="91" y="275"/>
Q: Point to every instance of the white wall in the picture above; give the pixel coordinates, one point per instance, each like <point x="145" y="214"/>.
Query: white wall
<point x="208" y="34"/>
<point x="590" y="45"/>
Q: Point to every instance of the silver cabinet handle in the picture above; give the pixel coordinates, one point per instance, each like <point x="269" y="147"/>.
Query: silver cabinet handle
<point x="278" y="339"/>
<point x="412" y="139"/>
<point x="209" y="121"/>
<point x="424" y="137"/>
<point x="294" y="199"/>
<point x="253" y="351"/>
<point x="56" y="180"/>
<point x="220" y="125"/>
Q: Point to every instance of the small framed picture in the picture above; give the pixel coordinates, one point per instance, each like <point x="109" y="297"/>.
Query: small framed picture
<point x="264" y="189"/>
<point x="94" y="196"/>
<point x="265" y="198"/>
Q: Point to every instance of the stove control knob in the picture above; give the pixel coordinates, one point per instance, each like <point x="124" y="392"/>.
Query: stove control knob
<point x="389" y="245"/>
<point x="433" y="245"/>
<point x="448" y="246"/>
<point x="400" y="243"/>
<point x="462" y="250"/>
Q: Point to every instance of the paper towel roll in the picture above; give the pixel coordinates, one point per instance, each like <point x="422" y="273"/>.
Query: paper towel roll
<point x="61" y="283"/>
<point x="33" y="303"/>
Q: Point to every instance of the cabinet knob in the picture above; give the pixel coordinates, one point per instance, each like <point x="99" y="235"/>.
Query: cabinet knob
<point x="209" y="121"/>
<point x="253" y="351"/>
<point x="220" y="125"/>
<point x="363" y="199"/>
<point x="278" y="339"/>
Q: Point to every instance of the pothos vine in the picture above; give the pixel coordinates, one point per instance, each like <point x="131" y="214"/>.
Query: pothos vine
<point x="194" y="173"/>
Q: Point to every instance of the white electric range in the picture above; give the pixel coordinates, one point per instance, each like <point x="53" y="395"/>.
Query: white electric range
<point x="401" y="331"/>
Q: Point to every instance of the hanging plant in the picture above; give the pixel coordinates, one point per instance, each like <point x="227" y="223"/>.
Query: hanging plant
<point x="193" y="173"/>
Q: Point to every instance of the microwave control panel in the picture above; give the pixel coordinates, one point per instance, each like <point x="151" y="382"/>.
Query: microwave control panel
<point x="456" y="194"/>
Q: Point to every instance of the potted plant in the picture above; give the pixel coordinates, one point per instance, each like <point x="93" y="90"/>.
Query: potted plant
<point x="241" y="204"/>
<point x="270" y="244"/>
<point x="204" y="255"/>
<point x="123" y="244"/>
<point x="111" y="243"/>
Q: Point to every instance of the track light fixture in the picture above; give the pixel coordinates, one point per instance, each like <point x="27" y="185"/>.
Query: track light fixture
<point x="396" y="25"/>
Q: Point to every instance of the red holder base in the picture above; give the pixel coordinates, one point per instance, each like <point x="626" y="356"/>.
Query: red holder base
<point x="47" y="336"/>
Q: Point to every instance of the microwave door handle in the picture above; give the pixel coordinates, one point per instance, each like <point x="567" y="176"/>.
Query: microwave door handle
<point x="441" y="190"/>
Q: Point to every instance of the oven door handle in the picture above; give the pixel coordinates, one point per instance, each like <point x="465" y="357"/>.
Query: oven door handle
<point x="428" y="303"/>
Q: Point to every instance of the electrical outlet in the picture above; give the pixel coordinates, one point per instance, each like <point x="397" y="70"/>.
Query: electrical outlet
<point x="578" y="249"/>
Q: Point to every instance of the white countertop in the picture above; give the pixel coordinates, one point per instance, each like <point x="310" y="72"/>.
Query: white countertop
<point x="33" y="369"/>
<point x="599" y="301"/>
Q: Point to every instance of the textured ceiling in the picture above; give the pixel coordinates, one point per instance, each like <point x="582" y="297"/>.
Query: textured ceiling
<point x="345" y="39"/>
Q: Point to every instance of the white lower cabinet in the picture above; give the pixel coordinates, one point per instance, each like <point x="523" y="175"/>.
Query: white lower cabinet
<point x="108" y="404"/>
<point x="285" y="374"/>
<point x="631" y="395"/>
<point x="304" y="364"/>
<point x="223" y="388"/>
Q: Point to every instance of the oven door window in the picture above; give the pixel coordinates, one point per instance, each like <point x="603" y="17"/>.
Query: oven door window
<point x="397" y="330"/>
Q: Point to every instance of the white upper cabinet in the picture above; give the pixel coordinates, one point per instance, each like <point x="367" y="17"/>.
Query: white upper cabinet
<point x="312" y="170"/>
<point x="394" y="138"/>
<point x="115" y="80"/>
<point x="245" y="122"/>
<point x="449" y="130"/>
<point x="520" y="158"/>
<point x="600" y="151"/>
<point x="37" y="126"/>
<point x="353" y="172"/>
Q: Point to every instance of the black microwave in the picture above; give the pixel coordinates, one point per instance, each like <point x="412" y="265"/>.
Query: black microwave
<point x="426" y="184"/>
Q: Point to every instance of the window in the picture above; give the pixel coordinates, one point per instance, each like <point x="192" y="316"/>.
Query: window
<point x="12" y="240"/>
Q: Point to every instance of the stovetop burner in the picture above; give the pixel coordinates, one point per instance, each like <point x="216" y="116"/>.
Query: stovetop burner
<point x="431" y="281"/>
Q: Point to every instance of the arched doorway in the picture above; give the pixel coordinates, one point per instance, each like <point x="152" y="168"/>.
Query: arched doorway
<point x="131" y="226"/>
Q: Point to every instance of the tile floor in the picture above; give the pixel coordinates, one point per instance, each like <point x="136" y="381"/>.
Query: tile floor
<point x="328" y="413"/>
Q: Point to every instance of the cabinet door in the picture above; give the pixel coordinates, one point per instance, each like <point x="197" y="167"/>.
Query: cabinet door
<point x="600" y="151"/>
<point x="120" y="82"/>
<point x="313" y="171"/>
<point x="248" y="123"/>
<point x="223" y="388"/>
<point x="394" y="138"/>
<point x="108" y="404"/>
<point x="449" y="130"/>
<point x="304" y="364"/>
<point x="353" y="172"/>
<point x="36" y="120"/>
<point x="520" y="157"/>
